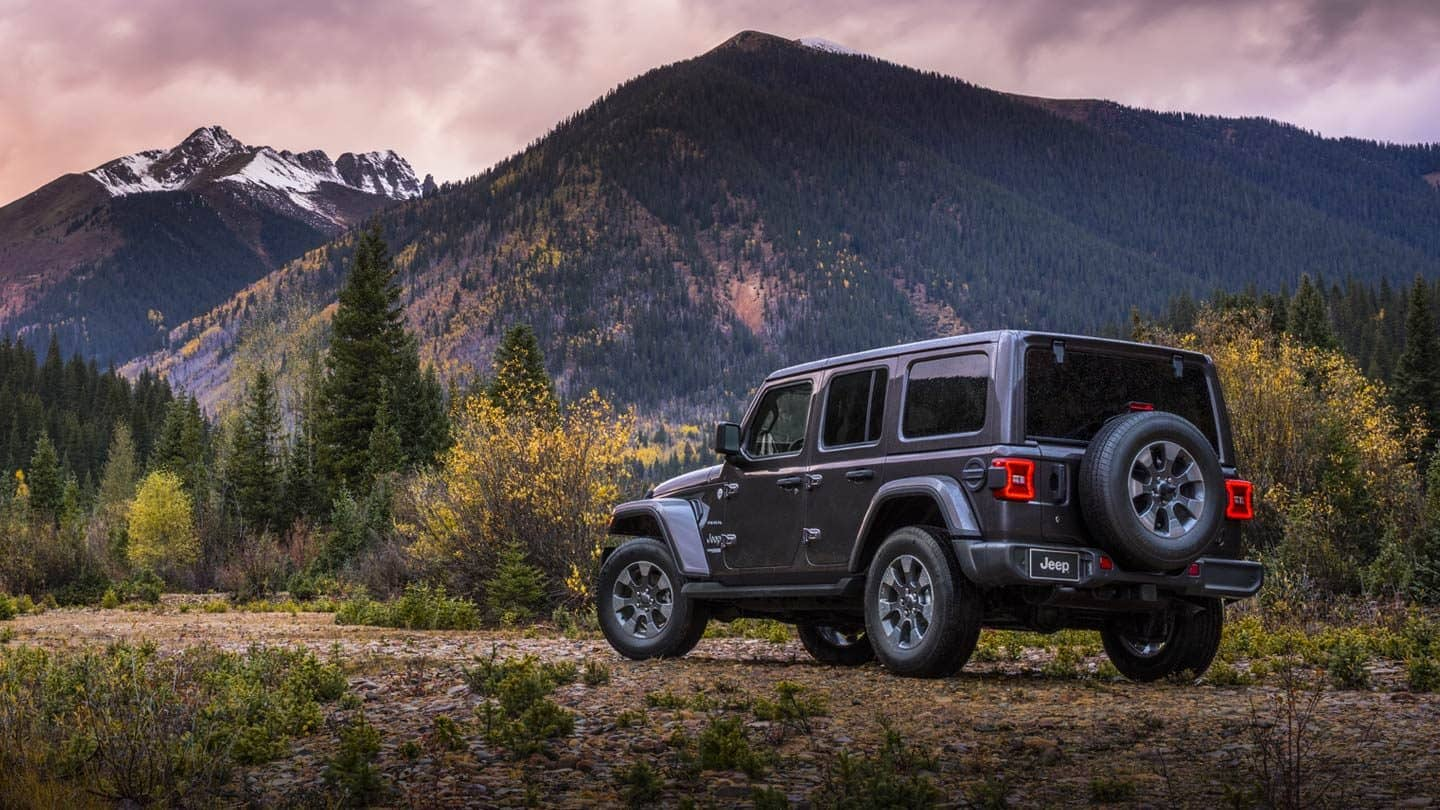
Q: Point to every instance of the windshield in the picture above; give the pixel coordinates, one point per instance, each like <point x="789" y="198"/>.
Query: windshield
<point x="1070" y="401"/>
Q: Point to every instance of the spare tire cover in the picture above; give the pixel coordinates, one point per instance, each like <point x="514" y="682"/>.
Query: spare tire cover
<point x="1151" y="490"/>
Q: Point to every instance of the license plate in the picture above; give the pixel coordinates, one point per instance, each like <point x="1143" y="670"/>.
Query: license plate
<point x="1062" y="566"/>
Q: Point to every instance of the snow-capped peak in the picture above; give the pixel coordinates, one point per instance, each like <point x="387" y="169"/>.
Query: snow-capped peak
<point x="821" y="44"/>
<point x="212" y="155"/>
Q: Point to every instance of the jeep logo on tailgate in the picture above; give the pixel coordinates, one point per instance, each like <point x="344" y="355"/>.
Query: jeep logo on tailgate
<point x="1055" y="565"/>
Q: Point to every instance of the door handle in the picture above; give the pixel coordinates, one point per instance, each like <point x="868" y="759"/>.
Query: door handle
<point x="791" y="481"/>
<point x="813" y="480"/>
<point x="860" y="475"/>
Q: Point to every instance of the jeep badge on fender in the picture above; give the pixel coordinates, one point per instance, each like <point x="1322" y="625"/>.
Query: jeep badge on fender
<point x="893" y="502"/>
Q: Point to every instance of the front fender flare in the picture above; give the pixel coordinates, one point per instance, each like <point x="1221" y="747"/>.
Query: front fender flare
<point x="678" y="529"/>
<point x="945" y="491"/>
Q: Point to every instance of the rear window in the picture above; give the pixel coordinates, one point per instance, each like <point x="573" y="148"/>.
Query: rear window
<point x="854" y="408"/>
<point x="946" y="396"/>
<point x="1072" y="400"/>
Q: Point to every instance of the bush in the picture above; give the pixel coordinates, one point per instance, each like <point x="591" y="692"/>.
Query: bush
<point x="161" y="531"/>
<point x="352" y="769"/>
<point x="791" y="709"/>
<point x="517" y="590"/>
<point x="895" y="777"/>
<point x="1107" y="790"/>
<point x="143" y="586"/>
<point x="724" y="746"/>
<point x="422" y="607"/>
<point x="1422" y="672"/>
<point x="640" y="785"/>
<point x="8" y="608"/>
<point x="1346" y="664"/>
<point x="518" y="713"/>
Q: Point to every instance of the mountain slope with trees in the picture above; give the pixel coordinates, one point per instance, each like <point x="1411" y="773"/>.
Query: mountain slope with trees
<point x="767" y="202"/>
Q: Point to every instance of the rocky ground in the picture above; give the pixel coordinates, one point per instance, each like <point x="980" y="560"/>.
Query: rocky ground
<point x="1000" y="731"/>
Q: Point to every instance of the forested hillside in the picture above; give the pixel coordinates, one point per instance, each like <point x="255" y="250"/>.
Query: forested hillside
<point x="768" y="202"/>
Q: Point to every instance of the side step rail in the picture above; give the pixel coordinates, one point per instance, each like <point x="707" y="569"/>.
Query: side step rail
<point x="850" y="586"/>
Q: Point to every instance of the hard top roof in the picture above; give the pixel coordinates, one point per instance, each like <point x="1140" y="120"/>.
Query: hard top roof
<point x="957" y="341"/>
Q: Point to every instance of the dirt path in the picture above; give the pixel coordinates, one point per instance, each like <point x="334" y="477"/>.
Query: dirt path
<point x="998" y="729"/>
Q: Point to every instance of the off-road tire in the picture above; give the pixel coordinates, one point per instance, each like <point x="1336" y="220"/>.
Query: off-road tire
<point x="1109" y="509"/>
<point x="687" y="620"/>
<point x="817" y="641"/>
<point x="1193" y="640"/>
<point x="953" y="626"/>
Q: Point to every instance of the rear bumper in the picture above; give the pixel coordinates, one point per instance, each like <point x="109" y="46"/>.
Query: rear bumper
<point x="990" y="563"/>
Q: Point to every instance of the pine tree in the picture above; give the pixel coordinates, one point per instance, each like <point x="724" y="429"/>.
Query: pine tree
<point x="183" y="445"/>
<point x="520" y="382"/>
<point x="1309" y="321"/>
<point x="254" y="469"/>
<point x="121" y="472"/>
<point x="1417" y="374"/>
<point x="367" y="341"/>
<point x="46" y="480"/>
<point x="384" y="454"/>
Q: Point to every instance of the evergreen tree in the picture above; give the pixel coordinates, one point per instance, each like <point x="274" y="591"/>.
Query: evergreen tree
<point x="46" y="480"/>
<point x="183" y="445"/>
<point x="121" y="472"/>
<point x="1309" y="322"/>
<point x="384" y="454"/>
<point x="367" y="341"/>
<point x="254" y="469"/>
<point x="1417" y="374"/>
<point x="520" y="382"/>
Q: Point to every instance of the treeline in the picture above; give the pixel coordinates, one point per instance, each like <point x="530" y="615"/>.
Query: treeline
<point x="1388" y="332"/>
<point x="75" y="407"/>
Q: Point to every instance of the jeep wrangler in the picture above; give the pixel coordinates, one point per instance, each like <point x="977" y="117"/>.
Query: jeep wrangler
<point x="891" y="503"/>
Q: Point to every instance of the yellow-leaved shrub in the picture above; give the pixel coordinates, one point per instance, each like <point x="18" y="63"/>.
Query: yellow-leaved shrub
<point x="1331" y="459"/>
<point x="542" y="478"/>
<point x="162" y="530"/>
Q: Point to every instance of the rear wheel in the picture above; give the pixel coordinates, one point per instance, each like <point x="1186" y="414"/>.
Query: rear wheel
<point x="642" y="612"/>
<point x="841" y="645"/>
<point x="1148" y="647"/>
<point x="921" y="615"/>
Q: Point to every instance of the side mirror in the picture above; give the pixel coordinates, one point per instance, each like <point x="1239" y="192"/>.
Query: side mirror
<point x="727" y="439"/>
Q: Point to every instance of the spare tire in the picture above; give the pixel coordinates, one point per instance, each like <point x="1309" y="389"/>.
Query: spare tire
<point x="1151" y="490"/>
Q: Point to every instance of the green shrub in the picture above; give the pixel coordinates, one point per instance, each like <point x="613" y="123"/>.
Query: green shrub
<point x="596" y="673"/>
<point x="302" y="587"/>
<point x="630" y="718"/>
<point x="8" y="608"/>
<point x="447" y="734"/>
<point x="725" y="746"/>
<point x="1108" y="790"/>
<point x="421" y="607"/>
<point x="895" y="777"/>
<point x="792" y="708"/>
<point x="1422" y="672"/>
<point x="352" y="769"/>
<point x="517" y="590"/>
<point x="769" y="798"/>
<point x="144" y="586"/>
<point x="640" y="784"/>
<point x="110" y="600"/>
<point x="24" y="605"/>
<point x="518" y="713"/>
<point x="1346" y="665"/>
<point x="216" y="606"/>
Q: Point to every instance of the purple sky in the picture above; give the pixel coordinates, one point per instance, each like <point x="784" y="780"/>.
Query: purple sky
<point x="455" y="86"/>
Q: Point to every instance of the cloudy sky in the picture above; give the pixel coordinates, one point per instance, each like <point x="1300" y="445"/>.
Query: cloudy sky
<point x="454" y="85"/>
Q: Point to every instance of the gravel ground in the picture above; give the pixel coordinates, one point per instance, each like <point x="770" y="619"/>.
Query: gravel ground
<point x="998" y="729"/>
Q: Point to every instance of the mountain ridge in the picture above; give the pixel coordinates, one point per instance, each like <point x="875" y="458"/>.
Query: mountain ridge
<point x="768" y="202"/>
<point x="107" y="257"/>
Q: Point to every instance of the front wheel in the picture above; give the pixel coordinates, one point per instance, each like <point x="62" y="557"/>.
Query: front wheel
<point x="642" y="612"/>
<point x="921" y="615"/>
<point x="1148" y="647"/>
<point x="841" y="645"/>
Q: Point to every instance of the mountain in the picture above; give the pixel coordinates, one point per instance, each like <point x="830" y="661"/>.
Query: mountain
<point x="109" y="257"/>
<point x="772" y="201"/>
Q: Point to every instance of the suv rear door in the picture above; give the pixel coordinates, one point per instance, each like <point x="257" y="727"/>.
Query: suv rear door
<point x="848" y="462"/>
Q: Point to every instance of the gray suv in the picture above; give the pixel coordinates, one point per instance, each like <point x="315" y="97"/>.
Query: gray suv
<point x="893" y="502"/>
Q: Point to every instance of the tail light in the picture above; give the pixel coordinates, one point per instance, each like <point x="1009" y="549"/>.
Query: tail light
<point x="1018" y="481"/>
<point x="1142" y="406"/>
<point x="1239" y="499"/>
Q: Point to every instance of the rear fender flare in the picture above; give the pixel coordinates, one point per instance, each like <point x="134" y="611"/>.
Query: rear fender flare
<point x="947" y="495"/>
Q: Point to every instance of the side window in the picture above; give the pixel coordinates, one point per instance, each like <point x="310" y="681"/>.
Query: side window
<point x="778" y="426"/>
<point x="946" y="396"/>
<point x="854" y="407"/>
